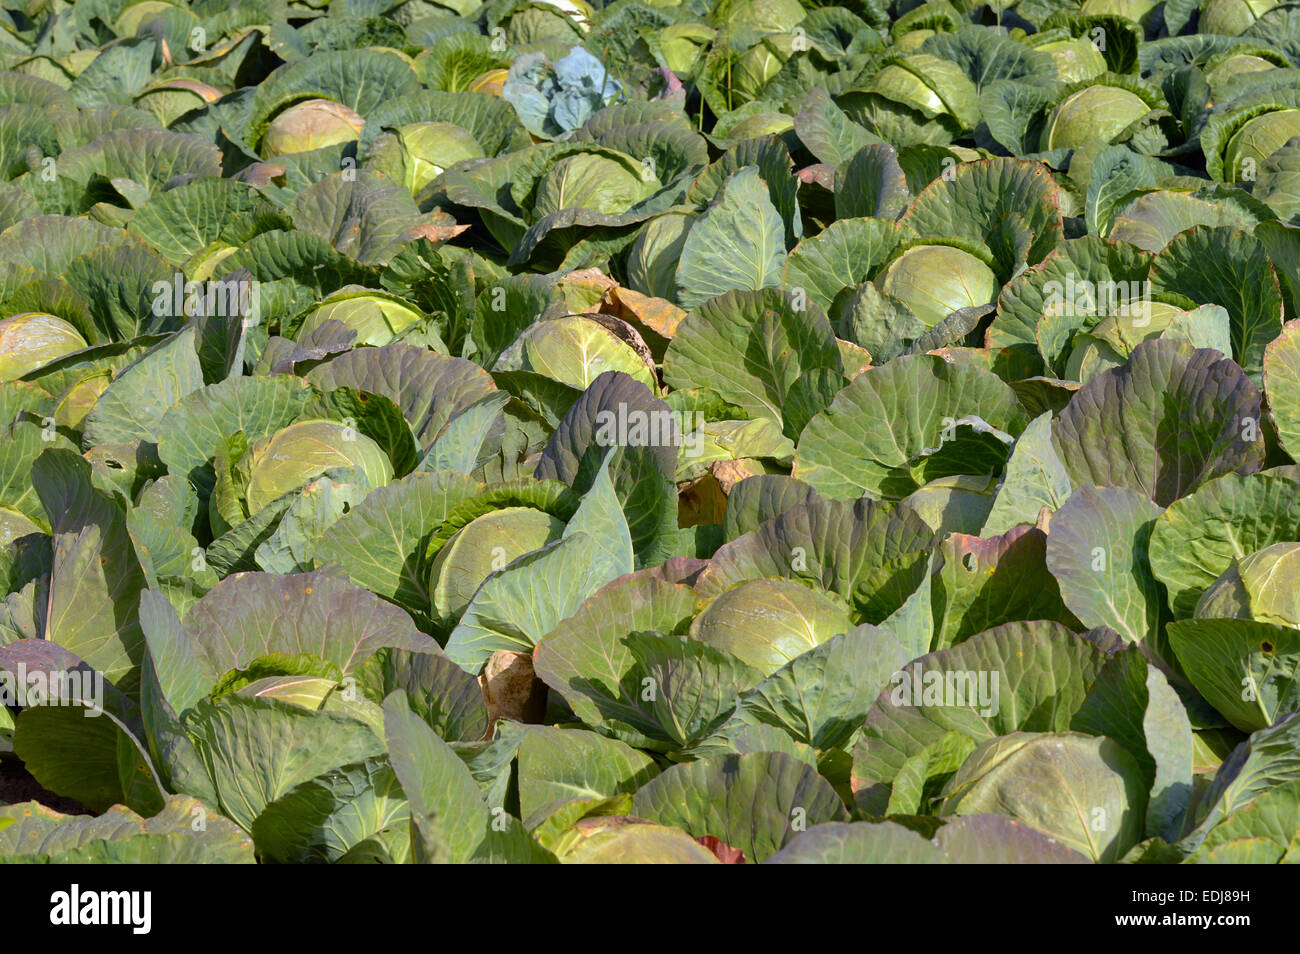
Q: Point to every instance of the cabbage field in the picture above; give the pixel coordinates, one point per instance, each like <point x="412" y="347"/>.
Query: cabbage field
<point x="665" y="431"/>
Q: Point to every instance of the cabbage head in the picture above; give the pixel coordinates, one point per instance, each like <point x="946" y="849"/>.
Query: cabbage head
<point x="309" y="125"/>
<point x="296" y="454"/>
<point x="32" y="340"/>
<point x="936" y="280"/>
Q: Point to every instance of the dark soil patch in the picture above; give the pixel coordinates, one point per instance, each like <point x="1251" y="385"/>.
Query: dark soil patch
<point x="17" y="785"/>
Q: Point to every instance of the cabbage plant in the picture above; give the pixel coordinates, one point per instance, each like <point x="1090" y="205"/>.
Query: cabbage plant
<point x="752" y="431"/>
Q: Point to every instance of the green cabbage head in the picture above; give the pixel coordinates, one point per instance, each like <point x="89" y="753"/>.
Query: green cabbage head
<point x="605" y="182"/>
<point x="32" y="340"/>
<point x="1259" y="586"/>
<point x="309" y="125"/>
<point x="375" y="317"/>
<point x="1258" y="139"/>
<point x="296" y="454"/>
<point x="1076" y="60"/>
<point x="936" y="280"/>
<point x="1232" y="17"/>
<point x="429" y="148"/>
<point x="1092" y="113"/>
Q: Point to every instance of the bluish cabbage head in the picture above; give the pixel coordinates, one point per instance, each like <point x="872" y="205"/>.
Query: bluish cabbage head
<point x="296" y="454"/>
<point x="933" y="281"/>
<point x="32" y="340"/>
<point x="551" y="100"/>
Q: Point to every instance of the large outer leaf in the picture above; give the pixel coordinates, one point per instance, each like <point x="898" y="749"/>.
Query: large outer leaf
<point x="1270" y="822"/>
<point x="1097" y="550"/>
<point x="382" y="542"/>
<point x="1083" y="790"/>
<point x="1082" y="264"/>
<point x="430" y="388"/>
<point x="22" y="445"/>
<point x="978" y="200"/>
<point x="120" y="836"/>
<point x="449" y="699"/>
<point x="450" y="822"/>
<point x="772" y="158"/>
<point x="49" y="243"/>
<point x="362" y="214"/>
<point x="988" y="581"/>
<point x="1170" y="419"/>
<point x="95" y="580"/>
<point x="871" y="553"/>
<point x="1228" y="267"/>
<point x="871" y="183"/>
<point x="858" y="843"/>
<point x="256" y="750"/>
<point x="557" y="765"/>
<point x="320" y="820"/>
<point x="738" y="243"/>
<point x="148" y="157"/>
<point x="777" y="345"/>
<point x="613" y="395"/>
<point x="891" y="417"/>
<point x="821" y="697"/>
<point x="1249" y="671"/>
<point x="517" y="606"/>
<point x="1034" y="478"/>
<point x="1229" y="517"/>
<point x="250" y="615"/>
<point x="846" y="253"/>
<point x="1155" y="218"/>
<point x="1282" y="383"/>
<point x="756" y="500"/>
<point x="691" y="686"/>
<point x="586" y="658"/>
<point x="828" y="133"/>
<point x="182" y="221"/>
<point x="134" y="406"/>
<point x="193" y="427"/>
<point x="1044" y="673"/>
<point x="1270" y="757"/>
<point x="996" y="839"/>
<point x="755" y="802"/>
<point x="1133" y="703"/>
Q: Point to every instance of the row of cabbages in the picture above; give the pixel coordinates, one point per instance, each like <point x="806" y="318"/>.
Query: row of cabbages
<point x="688" y="432"/>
